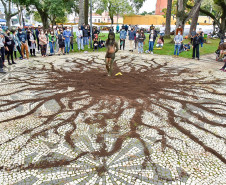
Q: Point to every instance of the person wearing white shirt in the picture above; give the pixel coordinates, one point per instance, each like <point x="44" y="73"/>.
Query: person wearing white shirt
<point x="79" y="34"/>
<point x="162" y="30"/>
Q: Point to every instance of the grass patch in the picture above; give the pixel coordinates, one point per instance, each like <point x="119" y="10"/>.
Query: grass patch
<point x="168" y="48"/>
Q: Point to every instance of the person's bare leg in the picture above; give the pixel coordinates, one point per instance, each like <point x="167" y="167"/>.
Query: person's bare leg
<point x="107" y="61"/>
<point x="111" y="66"/>
<point x="59" y="51"/>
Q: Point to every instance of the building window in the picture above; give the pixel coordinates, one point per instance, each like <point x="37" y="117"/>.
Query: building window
<point x="205" y="21"/>
<point x="95" y="20"/>
<point x="98" y="20"/>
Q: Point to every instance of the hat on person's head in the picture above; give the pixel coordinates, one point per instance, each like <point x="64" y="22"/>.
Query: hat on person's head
<point x="123" y="27"/>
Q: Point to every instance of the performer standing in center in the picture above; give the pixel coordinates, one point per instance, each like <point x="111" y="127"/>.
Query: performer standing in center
<point x="112" y="48"/>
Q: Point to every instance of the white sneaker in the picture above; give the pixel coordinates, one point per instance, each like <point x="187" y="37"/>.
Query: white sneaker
<point x="138" y="52"/>
<point x="152" y="53"/>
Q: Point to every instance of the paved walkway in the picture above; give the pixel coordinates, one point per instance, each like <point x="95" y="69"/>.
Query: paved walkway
<point x="63" y="121"/>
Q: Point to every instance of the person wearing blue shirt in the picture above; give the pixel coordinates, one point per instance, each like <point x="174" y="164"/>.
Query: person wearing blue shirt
<point x="132" y="35"/>
<point x="67" y="35"/>
<point x="22" y="36"/>
<point x="178" y="41"/>
<point x="122" y="38"/>
<point x="117" y="28"/>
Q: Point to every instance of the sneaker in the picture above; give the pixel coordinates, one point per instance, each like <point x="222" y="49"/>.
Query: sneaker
<point x="2" y="71"/>
<point x="152" y="53"/>
<point x="13" y="62"/>
<point x="222" y="69"/>
<point x="138" y="52"/>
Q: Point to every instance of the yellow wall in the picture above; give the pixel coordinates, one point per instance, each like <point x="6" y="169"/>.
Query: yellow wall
<point x="145" y="19"/>
<point x="156" y="20"/>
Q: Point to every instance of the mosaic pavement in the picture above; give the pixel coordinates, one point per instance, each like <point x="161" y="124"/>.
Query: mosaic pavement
<point x="55" y="130"/>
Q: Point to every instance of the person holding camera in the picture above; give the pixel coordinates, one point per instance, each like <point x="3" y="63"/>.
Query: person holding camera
<point x="197" y="39"/>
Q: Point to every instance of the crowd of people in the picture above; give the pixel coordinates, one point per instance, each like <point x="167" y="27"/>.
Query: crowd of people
<point x="60" y="40"/>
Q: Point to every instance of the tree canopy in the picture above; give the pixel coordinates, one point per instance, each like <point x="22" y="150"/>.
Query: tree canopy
<point x="114" y="7"/>
<point x="49" y="9"/>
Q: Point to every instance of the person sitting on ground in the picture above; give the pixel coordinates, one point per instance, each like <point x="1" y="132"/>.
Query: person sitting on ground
<point x="222" y="48"/>
<point x="101" y="43"/>
<point x="95" y="44"/>
<point x="187" y="47"/>
<point x="160" y="42"/>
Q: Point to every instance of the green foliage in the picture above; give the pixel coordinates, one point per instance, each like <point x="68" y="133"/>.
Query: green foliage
<point x="147" y="13"/>
<point x="114" y="7"/>
<point x="137" y="4"/>
<point x="37" y="17"/>
<point x="61" y="20"/>
<point x="49" y="9"/>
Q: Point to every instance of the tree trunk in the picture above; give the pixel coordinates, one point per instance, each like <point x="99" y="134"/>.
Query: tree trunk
<point x="8" y="20"/>
<point x="86" y="14"/>
<point x="112" y="19"/>
<point x="214" y="28"/>
<point x="194" y="21"/>
<point x="182" y="17"/>
<point x="44" y="18"/>
<point x="168" y="19"/>
<point x="81" y="12"/>
<point x="222" y="29"/>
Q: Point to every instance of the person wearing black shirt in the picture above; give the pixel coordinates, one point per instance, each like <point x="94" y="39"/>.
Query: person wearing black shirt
<point x="195" y="45"/>
<point x="9" y="45"/>
<point x="61" y="42"/>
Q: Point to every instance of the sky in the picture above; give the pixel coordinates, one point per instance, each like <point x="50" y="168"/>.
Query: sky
<point x="148" y="6"/>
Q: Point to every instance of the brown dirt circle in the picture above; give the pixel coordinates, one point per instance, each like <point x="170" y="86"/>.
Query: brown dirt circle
<point x="130" y="85"/>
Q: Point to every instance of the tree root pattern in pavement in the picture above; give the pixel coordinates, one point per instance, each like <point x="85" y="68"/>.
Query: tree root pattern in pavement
<point x="68" y="122"/>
